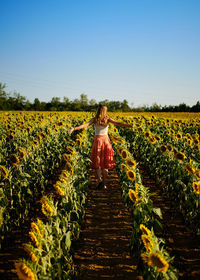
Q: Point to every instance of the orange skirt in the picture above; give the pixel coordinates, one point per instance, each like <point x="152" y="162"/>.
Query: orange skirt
<point x="102" y="155"/>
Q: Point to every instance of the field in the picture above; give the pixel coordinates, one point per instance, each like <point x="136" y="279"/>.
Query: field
<point x="54" y="223"/>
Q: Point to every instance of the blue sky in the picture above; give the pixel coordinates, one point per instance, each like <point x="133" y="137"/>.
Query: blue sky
<point x="144" y="51"/>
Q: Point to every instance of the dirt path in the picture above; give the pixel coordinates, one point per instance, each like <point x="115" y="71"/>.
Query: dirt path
<point x="103" y="249"/>
<point x="181" y="241"/>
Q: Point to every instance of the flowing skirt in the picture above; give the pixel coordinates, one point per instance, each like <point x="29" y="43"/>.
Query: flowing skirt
<point x="102" y="155"/>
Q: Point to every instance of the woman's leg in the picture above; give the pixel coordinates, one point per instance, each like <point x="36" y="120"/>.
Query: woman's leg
<point x="104" y="175"/>
<point x="98" y="174"/>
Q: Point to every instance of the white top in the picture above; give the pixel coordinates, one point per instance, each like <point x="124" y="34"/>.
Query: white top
<point x="101" y="130"/>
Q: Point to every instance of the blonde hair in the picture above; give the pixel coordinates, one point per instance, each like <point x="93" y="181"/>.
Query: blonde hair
<point x="101" y="117"/>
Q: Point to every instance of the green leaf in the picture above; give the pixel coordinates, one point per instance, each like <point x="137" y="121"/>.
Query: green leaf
<point x="158" y="212"/>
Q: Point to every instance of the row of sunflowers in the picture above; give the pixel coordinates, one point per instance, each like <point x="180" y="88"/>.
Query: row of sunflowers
<point x="45" y="188"/>
<point x="154" y="262"/>
<point x="171" y="151"/>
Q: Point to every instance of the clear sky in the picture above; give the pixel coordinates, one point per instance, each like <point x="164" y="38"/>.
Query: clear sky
<point x="144" y="51"/>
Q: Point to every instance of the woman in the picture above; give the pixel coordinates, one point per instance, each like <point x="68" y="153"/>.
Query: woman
<point x="102" y="154"/>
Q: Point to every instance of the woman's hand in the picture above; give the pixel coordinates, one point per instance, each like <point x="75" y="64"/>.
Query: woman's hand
<point x="71" y="130"/>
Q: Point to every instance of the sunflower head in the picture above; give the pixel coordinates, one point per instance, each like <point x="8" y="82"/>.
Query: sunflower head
<point x="132" y="195"/>
<point x="131" y="174"/>
<point x="148" y="243"/>
<point x="145" y="230"/>
<point x="196" y="187"/>
<point x="180" y="156"/>
<point x="14" y="159"/>
<point x="189" y="169"/>
<point x="131" y="163"/>
<point x="163" y="148"/>
<point x="23" y="271"/>
<point x="124" y="154"/>
<point x="3" y="171"/>
<point x="157" y="260"/>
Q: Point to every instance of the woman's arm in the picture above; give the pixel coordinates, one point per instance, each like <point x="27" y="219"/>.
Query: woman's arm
<point x="81" y="126"/>
<point x="120" y="123"/>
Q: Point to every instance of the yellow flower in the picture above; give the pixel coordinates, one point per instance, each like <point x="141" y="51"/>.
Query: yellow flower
<point x="189" y="169"/>
<point x="145" y="230"/>
<point x="70" y="150"/>
<point x="147" y="134"/>
<point x="59" y="191"/>
<point x="196" y="187"/>
<point x="68" y="167"/>
<point x="170" y="148"/>
<point x="14" y="159"/>
<point x="157" y="260"/>
<point x="21" y="153"/>
<point x="179" y="136"/>
<point x="3" y="171"/>
<point x="124" y="154"/>
<point x="35" y="228"/>
<point x="123" y="166"/>
<point x="180" y="156"/>
<point x="131" y="163"/>
<point x="148" y="243"/>
<point x="163" y="148"/>
<point x="47" y="210"/>
<point x="34" y="239"/>
<point x="152" y="139"/>
<point x="132" y="195"/>
<point x="24" y="272"/>
<point x="197" y="174"/>
<point x="31" y="253"/>
<point x="131" y="175"/>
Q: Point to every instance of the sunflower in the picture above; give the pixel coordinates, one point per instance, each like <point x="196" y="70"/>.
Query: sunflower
<point x="169" y="148"/>
<point x="131" y="163"/>
<point x="123" y="166"/>
<point x="189" y="169"/>
<point x="189" y="141"/>
<point x="21" y="153"/>
<point x="152" y="139"/>
<point x="124" y="154"/>
<point x="145" y="230"/>
<point x="59" y="191"/>
<point x="163" y="148"/>
<point x="147" y="134"/>
<point x="23" y="271"/>
<point x="68" y="167"/>
<point x="179" y="136"/>
<point x="14" y="159"/>
<point x="157" y="260"/>
<point x="71" y="150"/>
<point x="180" y="156"/>
<point x="35" y="228"/>
<point x="131" y="175"/>
<point x="3" y="171"/>
<point x="148" y="243"/>
<point x="34" y="239"/>
<point x="158" y="137"/>
<point x="196" y="141"/>
<point x="78" y="142"/>
<point x="31" y="253"/>
<point x="197" y="174"/>
<point x="47" y="210"/>
<point x="132" y="195"/>
<point x="67" y="157"/>
<point x="196" y="187"/>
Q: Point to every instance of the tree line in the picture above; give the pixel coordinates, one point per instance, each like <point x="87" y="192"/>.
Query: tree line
<point x="16" y="101"/>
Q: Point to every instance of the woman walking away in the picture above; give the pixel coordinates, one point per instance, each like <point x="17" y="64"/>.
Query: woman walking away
<point x="102" y="154"/>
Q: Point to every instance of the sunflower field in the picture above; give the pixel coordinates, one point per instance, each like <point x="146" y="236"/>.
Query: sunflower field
<point x="44" y="181"/>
